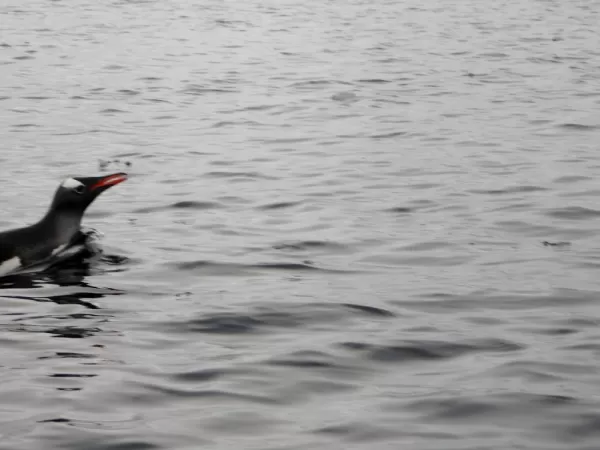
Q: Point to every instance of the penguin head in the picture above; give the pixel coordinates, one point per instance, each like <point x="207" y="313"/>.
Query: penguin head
<point x="77" y="193"/>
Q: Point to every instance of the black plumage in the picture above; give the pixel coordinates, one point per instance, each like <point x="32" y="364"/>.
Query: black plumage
<point x="59" y="229"/>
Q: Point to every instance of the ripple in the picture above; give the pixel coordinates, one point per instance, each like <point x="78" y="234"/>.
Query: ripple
<point x="202" y="90"/>
<point x="199" y="375"/>
<point x="579" y="126"/>
<point x="271" y="318"/>
<point x="232" y="269"/>
<point x="573" y="213"/>
<point x="150" y="393"/>
<point x="186" y="204"/>
<point x="400" y="210"/>
<point x="510" y="190"/>
<point x="112" y="111"/>
<point x="309" y="245"/>
<point x="370" y="310"/>
<point x="388" y="135"/>
<point x="428" y="350"/>
<point x="305" y="360"/>
<point x="26" y="125"/>
<point x="499" y="405"/>
<point x="128" y="92"/>
<point x="279" y="205"/>
<point x="572" y="178"/>
<point x="374" y="81"/>
<point x="68" y="355"/>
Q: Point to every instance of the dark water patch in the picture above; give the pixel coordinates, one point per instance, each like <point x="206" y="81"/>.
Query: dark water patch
<point x="556" y="244"/>
<point x="308" y="359"/>
<point x="369" y="310"/>
<point x="72" y="332"/>
<point x="227" y="323"/>
<point x="196" y="376"/>
<point x="578" y="126"/>
<point x="509" y="190"/>
<point x="527" y="371"/>
<point x="279" y="205"/>
<point x="572" y="178"/>
<point x="549" y="331"/>
<point x="367" y="433"/>
<point x="68" y="355"/>
<point x="428" y="350"/>
<point x="148" y="393"/>
<point x="501" y="406"/>
<point x="593" y="193"/>
<point x="257" y="108"/>
<point x="128" y="92"/>
<point x="422" y="186"/>
<point x="310" y="245"/>
<point x="456" y="408"/>
<point x="586" y="425"/>
<point x="573" y="213"/>
<point x="56" y="420"/>
<point x="114" y="67"/>
<point x="270" y="319"/>
<point x="388" y="135"/>
<point x="186" y="204"/>
<point x="112" y="111"/>
<point x="131" y="154"/>
<point x="72" y="375"/>
<point x="26" y="125"/>
<point x="317" y="83"/>
<point x="585" y="346"/>
<point x="107" y="442"/>
<point x="75" y="133"/>
<point x="23" y="57"/>
<point x="229" y="123"/>
<point x="373" y="81"/>
<point x="400" y="210"/>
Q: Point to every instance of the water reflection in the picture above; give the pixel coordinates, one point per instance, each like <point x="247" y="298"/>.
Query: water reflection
<point x="62" y="284"/>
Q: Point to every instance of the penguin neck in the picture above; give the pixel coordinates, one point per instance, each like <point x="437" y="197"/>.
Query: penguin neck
<point x="62" y="224"/>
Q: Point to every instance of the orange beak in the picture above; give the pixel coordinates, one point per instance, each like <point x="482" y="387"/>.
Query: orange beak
<point x="110" y="180"/>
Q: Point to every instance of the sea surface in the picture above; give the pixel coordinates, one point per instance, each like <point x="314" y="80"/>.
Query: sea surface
<point x="349" y="224"/>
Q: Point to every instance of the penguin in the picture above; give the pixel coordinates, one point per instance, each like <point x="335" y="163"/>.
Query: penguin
<point x="58" y="230"/>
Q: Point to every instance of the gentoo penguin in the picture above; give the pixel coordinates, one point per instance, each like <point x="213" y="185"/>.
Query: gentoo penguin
<point x="60" y="228"/>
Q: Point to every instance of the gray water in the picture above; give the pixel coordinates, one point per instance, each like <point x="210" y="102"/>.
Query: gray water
<point x="348" y="224"/>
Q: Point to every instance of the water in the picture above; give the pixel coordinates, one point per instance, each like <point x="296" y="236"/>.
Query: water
<point x="348" y="224"/>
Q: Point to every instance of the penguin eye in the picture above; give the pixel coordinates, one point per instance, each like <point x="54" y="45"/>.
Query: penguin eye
<point x="79" y="189"/>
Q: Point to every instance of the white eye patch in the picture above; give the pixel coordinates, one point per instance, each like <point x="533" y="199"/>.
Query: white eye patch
<point x="71" y="183"/>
